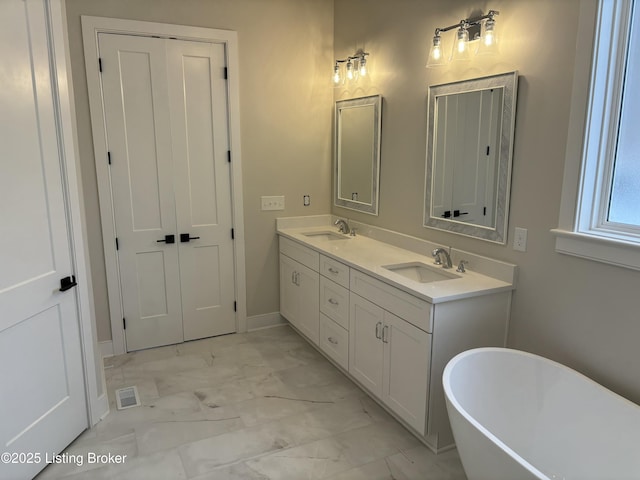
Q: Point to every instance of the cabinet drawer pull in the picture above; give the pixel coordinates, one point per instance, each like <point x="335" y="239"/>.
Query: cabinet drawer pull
<point x="333" y="270"/>
<point x="378" y="325"/>
<point x="332" y="301"/>
<point x="385" y="330"/>
<point x="332" y="340"/>
<point x="293" y="277"/>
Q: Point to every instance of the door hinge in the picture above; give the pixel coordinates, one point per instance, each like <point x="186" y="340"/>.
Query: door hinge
<point x="488" y="149"/>
<point x="235" y="306"/>
<point x="100" y="64"/>
<point x="226" y="73"/>
<point x="109" y="157"/>
<point x="484" y="211"/>
<point x="233" y="234"/>
<point x="229" y="156"/>
<point x="124" y="323"/>
<point x="117" y="244"/>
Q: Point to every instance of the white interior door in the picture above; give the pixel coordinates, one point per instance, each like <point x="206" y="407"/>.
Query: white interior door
<point x="42" y="397"/>
<point x="202" y="186"/>
<point x="139" y="142"/>
<point x="165" y="107"/>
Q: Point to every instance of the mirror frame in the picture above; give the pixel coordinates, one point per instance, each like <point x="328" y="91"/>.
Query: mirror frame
<point x="509" y="82"/>
<point x="376" y="101"/>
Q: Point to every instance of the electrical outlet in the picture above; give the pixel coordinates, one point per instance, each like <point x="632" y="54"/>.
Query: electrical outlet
<point x="272" y="203"/>
<point x="306" y="200"/>
<point x="520" y="239"/>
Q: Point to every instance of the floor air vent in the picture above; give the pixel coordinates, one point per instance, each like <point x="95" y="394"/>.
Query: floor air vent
<point x="127" y="398"/>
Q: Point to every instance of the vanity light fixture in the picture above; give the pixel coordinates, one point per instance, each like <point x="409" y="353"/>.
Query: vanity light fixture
<point x="355" y="66"/>
<point x="462" y="47"/>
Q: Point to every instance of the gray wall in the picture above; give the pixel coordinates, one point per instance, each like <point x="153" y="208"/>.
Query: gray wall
<point x="286" y="50"/>
<point x="578" y="312"/>
<point x="575" y="311"/>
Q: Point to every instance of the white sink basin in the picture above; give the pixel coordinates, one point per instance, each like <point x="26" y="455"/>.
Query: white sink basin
<point x="326" y="235"/>
<point x="421" y="272"/>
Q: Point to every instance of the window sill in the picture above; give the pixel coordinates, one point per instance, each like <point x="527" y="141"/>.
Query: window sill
<point x="600" y="249"/>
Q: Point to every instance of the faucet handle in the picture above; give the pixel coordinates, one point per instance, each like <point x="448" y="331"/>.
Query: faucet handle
<point x="461" y="265"/>
<point x="436" y="257"/>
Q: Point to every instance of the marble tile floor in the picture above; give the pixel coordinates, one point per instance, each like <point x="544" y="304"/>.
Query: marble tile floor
<point x="261" y="405"/>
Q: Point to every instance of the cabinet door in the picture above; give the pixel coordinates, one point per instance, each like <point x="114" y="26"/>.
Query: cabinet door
<point x="308" y="292"/>
<point x="365" y="347"/>
<point x="288" y="290"/>
<point x="407" y="354"/>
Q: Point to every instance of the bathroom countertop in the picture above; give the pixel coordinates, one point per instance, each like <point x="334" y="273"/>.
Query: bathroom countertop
<point x="369" y="256"/>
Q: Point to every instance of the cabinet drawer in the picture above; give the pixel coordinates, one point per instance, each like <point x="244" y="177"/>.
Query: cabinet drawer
<point x="336" y="271"/>
<point x="334" y="302"/>
<point x="402" y="304"/>
<point x="334" y="341"/>
<point x="300" y="253"/>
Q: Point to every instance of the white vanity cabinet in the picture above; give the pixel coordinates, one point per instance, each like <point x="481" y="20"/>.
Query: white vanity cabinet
<point x="299" y="288"/>
<point x="391" y="358"/>
<point x="395" y="344"/>
<point x="334" y="310"/>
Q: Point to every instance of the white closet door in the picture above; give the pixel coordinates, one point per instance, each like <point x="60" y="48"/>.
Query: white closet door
<point x="134" y="73"/>
<point x="202" y="185"/>
<point x="42" y="397"/>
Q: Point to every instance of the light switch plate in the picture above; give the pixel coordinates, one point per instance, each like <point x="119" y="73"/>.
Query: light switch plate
<point x="520" y="239"/>
<point x="273" y="203"/>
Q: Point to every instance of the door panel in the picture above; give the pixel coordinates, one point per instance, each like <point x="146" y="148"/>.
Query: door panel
<point x="365" y="348"/>
<point x="42" y="399"/>
<point x="151" y="285"/>
<point x="165" y="105"/>
<point x="406" y="370"/>
<point x="197" y="96"/>
<point x="289" y="299"/>
<point x="139" y="139"/>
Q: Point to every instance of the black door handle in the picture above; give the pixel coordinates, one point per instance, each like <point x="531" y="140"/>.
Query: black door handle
<point x="168" y="239"/>
<point x="67" y="283"/>
<point x="184" y="237"/>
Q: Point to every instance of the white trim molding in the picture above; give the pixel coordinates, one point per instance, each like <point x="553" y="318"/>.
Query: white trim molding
<point x="583" y="229"/>
<point x="266" y="320"/>
<point x="91" y="27"/>
<point x="97" y="401"/>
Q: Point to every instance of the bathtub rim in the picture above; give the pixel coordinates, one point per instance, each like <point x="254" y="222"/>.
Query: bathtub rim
<point x="453" y="401"/>
<point x="450" y="398"/>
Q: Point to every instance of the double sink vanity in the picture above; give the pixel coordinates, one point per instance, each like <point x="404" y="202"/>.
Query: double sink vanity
<point x="374" y="303"/>
<point x="377" y="307"/>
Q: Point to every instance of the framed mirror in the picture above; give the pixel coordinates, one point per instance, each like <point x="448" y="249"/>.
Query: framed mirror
<point x="357" y="153"/>
<point x="469" y="152"/>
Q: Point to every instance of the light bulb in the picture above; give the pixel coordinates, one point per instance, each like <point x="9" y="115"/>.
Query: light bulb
<point x="363" y="66"/>
<point x="336" y="74"/>
<point x="461" y="45"/>
<point x="350" y="70"/>
<point x="436" y="58"/>
<point x="489" y="34"/>
<point x="463" y="40"/>
<point x="489" y="43"/>
<point x="436" y="52"/>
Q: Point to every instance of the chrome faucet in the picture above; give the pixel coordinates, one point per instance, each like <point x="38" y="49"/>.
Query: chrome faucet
<point x="343" y="226"/>
<point x="437" y="254"/>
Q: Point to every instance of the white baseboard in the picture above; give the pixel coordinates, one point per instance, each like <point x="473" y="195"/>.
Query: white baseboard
<point x="266" y="320"/>
<point x="106" y="348"/>
<point x="256" y="322"/>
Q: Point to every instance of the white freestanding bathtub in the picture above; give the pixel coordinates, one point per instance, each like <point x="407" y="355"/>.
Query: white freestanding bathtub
<point x="516" y="415"/>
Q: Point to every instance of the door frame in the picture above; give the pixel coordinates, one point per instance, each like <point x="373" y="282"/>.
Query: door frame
<point x="64" y="109"/>
<point x="91" y="27"/>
